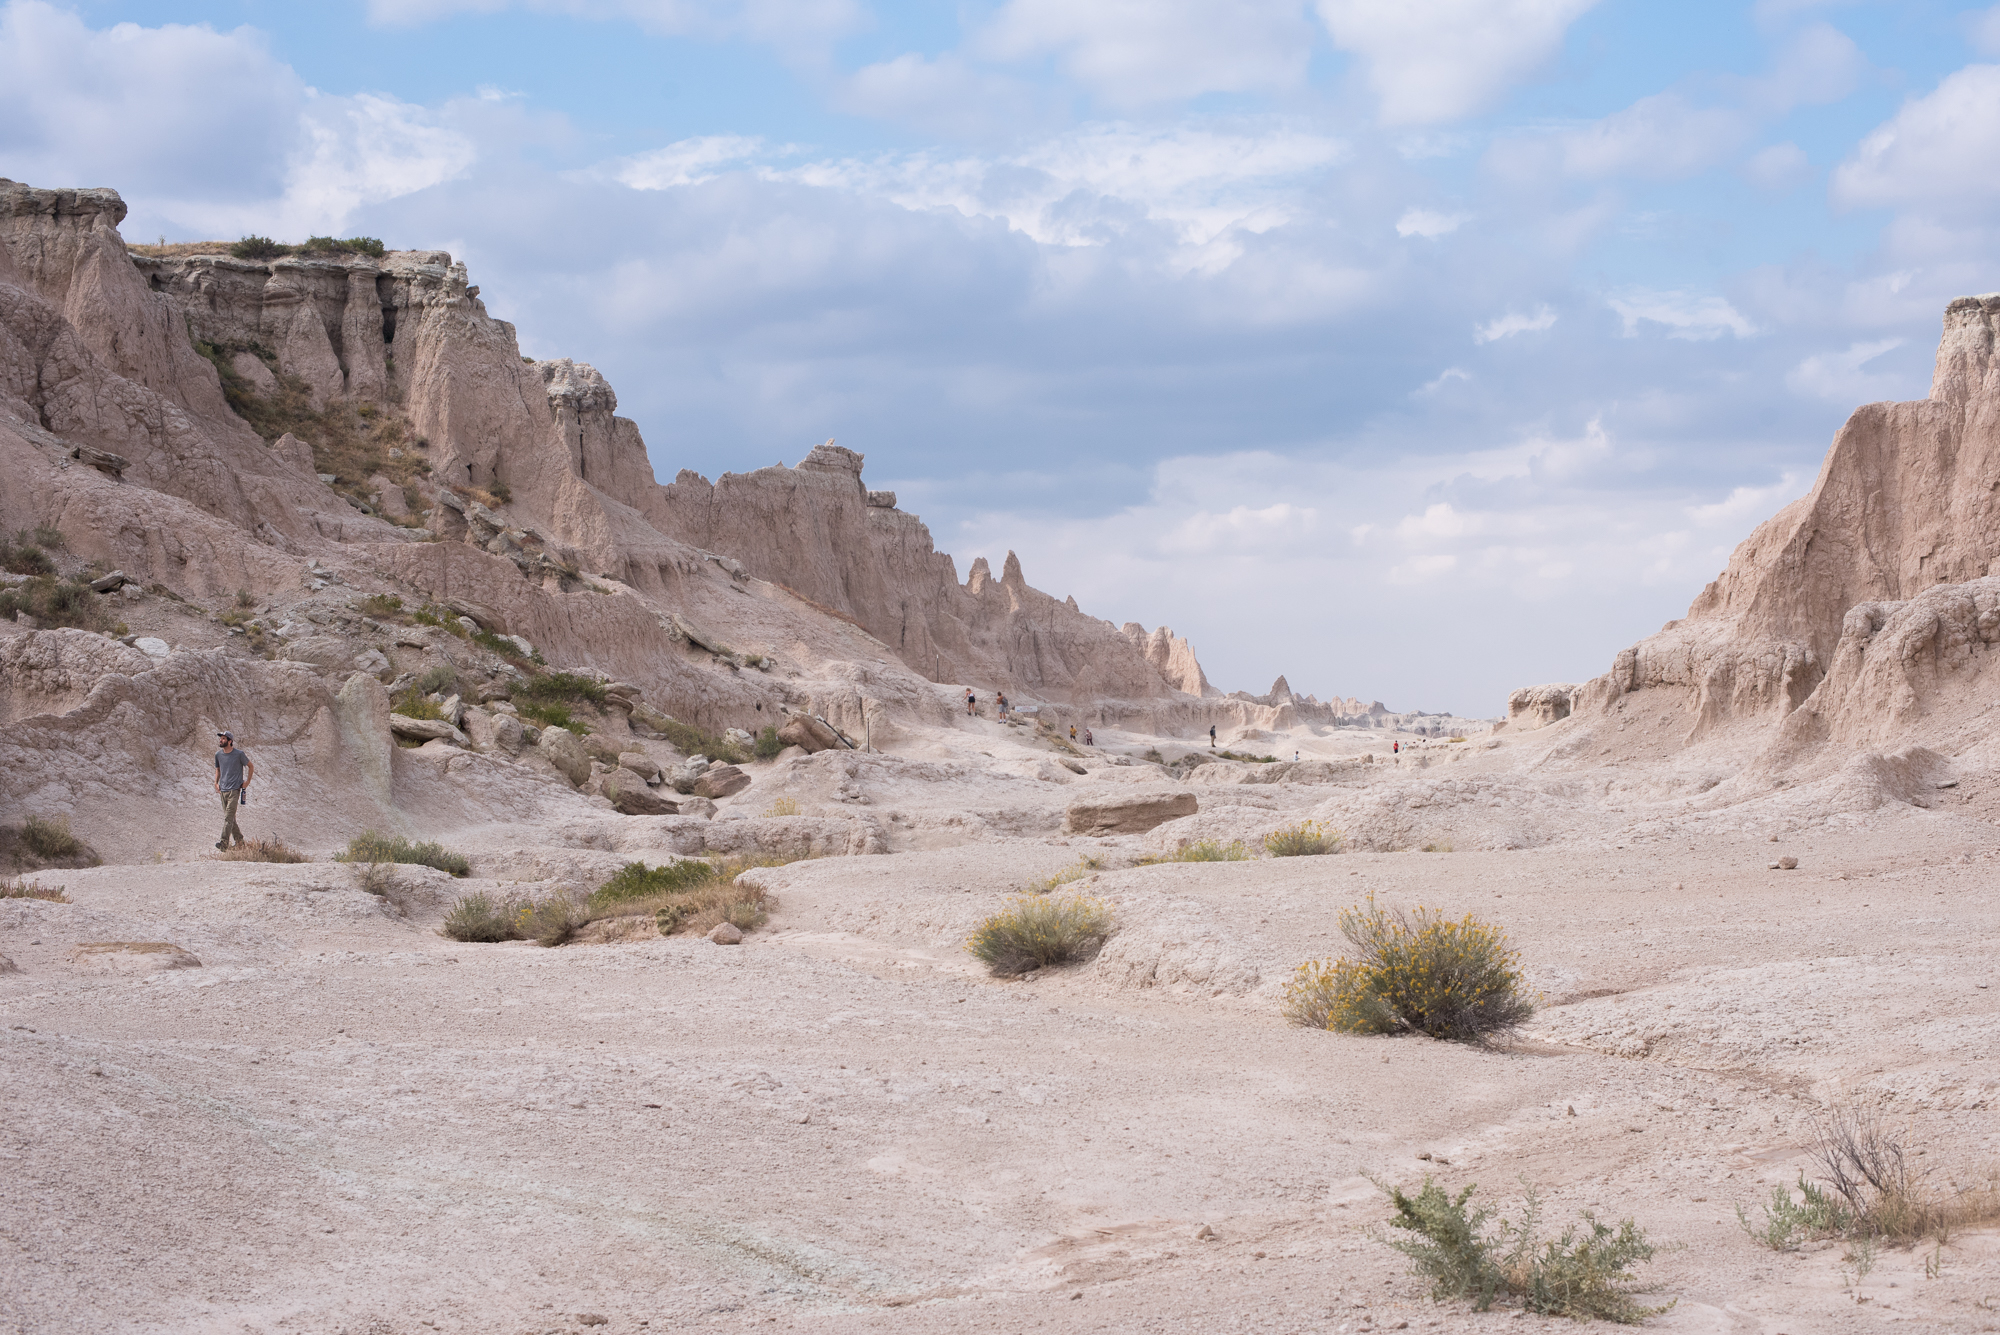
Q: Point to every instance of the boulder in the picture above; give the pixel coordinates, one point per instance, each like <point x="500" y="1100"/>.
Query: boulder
<point x="1127" y="815"/>
<point x="808" y="734"/>
<point x="561" y="748"/>
<point x="640" y="763"/>
<point x="110" y="583"/>
<point x="726" y="934"/>
<point x="727" y="781"/>
<point x="698" y="806"/>
<point x="599" y="747"/>
<point x="630" y="794"/>
<point x="494" y="731"/>
<point x="151" y="647"/>
<point x="649" y="718"/>
<point x="426" y="729"/>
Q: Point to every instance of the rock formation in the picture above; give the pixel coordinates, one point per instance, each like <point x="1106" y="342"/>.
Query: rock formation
<point x="1852" y="610"/>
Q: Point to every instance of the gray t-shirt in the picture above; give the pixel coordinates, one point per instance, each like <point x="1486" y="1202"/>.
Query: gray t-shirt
<point x="230" y="765"/>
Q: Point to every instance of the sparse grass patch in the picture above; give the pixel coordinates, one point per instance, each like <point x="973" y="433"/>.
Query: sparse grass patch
<point x="412" y="705"/>
<point x="563" y="687"/>
<point x="481" y="918"/>
<point x="26" y="889"/>
<point x="380" y="606"/>
<point x="1076" y="871"/>
<point x="783" y="806"/>
<point x="1246" y="757"/>
<point x="371" y="846"/>
<point x="263" y="850"/>
<point x="1303" y="840"/>
<point x="24" y="555"/>
<point x="53" y="602"/>
<point x="1203" y="850"/>
<point x="550" y="716"/>
<point x="1036" y="931"/>
<point x="440" y="680"/>
<point x="768" y="744"/>
<point x="1883" y="1193"/>
<point x="689" y="895"/>
<point x="693" y="741"/>
<point x="46" y="535"/>
<point x="1435" y="846"/>
<point x="44" y="842"/>
<point x="1414" y="972"/>
<point x="1585" y="1274"/>
<point x="1787" y="1223"/>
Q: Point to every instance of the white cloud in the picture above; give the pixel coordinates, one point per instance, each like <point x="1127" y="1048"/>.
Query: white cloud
<point x="798" y="25"/>
<point x="1137" y="52"/>
<point x="1270" y="529"/>
<point x="1660" y="137"/>
<point x="689" y="161"/>
<point x="1778" y="168"/>
<point x="1431" y="61"/>
<point x="1506" y="326"/>
<point x="1838" y="377"/>
<point x="1429" y="222"/>
<point x="1445" y="377"/>
<point x="1685" y="314"/>
<point x="1746" y="506"/>
<point x="211" y="132"/>
<point x="946" y="95"/>
<point x="1940" y="151"/>
<point x="1818" y="64"/>
<point x="1982" y="29"/>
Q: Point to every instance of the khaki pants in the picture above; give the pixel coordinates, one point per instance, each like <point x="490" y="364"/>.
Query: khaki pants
<point x="229" y="829"/>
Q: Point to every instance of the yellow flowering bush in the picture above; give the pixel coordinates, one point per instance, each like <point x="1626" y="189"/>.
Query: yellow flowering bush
<point x="1034" y="931"/>
<point x="1303" y="840"/>
<point x="1413" y="972"/>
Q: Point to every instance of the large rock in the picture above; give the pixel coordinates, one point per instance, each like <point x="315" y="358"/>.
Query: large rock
<point x="630" y="794"/>
<point x="426" y="729"/>
<point x="599" y="747"/>
<point x="721" y="781"/>
<point x="494" y="731"/>
<point x="1538" y="706"/>
<point x="562" y="748"/>
<point x="808" y="734"/>
<point x="1127" y="815"/>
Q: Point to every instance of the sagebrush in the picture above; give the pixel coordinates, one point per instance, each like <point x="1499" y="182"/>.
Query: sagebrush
<point x="1413" y="972"/>
<point x="1036" y="931"/>
<point x="1303" y="840"/>
<point x="1584" y="1274"/>
<point x="1203" y="850"/>
<point x="53" y="602"/>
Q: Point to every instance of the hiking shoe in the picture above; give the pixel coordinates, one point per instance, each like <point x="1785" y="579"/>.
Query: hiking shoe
<point x="224" y="847"/>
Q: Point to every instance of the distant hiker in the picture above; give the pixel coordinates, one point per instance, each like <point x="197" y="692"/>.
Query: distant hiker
<point x="233" y="771"/>
<point x="1396" y="748"/>
<point x="969" y="700"/>
<point x="1087" y="739"/>
<point x="1002" y="699"/>
<point x="1072" y="732"/>
<point x="1211" y="736"/>
<point x="1295" y="757"/>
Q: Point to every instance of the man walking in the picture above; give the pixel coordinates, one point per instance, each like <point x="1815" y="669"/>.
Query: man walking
<point x="233" y="771"/>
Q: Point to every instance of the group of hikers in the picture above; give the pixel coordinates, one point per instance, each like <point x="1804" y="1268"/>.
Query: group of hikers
<point x="1007" y="710"/>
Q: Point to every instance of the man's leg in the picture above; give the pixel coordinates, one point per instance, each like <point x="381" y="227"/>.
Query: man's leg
<point x="229" y="829"/>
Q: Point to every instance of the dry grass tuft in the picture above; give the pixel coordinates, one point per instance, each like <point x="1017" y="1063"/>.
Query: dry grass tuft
<point x="1414" y="972"/>
<point x="1076" y="871"/>
<point x="784" y="806"/>
<point x="263" y="850"/>
<point x="1203" y="850"/>
<point x="371" y="846"/>
<point x="1035" y="931"/>
<point x="39" y="842"/>
<point x="692" y="895"/>
<point x="25" y="889"/>
<point x="1885" y="1194"/>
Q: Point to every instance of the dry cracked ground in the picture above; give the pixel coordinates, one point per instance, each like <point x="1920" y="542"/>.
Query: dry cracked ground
<point x="342" y="1121"/>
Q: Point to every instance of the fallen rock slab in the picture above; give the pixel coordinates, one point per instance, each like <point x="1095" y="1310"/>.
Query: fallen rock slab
<point x="808" y="734"/>
<point x="426" y="729"/>
<point x="724" y="781"/>
<point x="630" y="794"/>
<point x="1127" y="815"/>
<point x="131" y="956"/>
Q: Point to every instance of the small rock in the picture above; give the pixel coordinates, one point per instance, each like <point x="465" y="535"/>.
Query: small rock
<point x="151" y="647"/>
<point x="592" y="1319"/>
<point x="726" y="934"/>
<point x="1786" y="864"/>
<point x="325" y="477"/>
<point x="1204" y="1234"/>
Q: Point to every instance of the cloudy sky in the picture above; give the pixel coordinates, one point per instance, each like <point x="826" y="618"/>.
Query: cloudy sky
<point x="1417" y="349"/>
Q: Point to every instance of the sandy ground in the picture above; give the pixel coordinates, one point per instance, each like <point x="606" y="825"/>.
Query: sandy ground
<point x="344" y="1122"/>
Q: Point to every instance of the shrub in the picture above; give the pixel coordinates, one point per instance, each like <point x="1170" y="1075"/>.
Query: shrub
<point x="1416" y="972"/>
<point x="26" y="889"/>
<point x="1787" y="1223"/>
<point x="1882" y="1193"/>
<point x="50" y="839"/>
<point x="1303" y="840"/>
<point x="1585" y="1274"/>
<point x="380" y="605"/>
<point x="370" y="846"/>
<point x="554" y="921"/>
<point x="768" y="744"/>
<point x="693" y="741"/>
<point x="53" y="602"/>
<point x="25" y="558"/>
<point x="352" y="245"/>
<point x="560" y="687"/>
<point x="1035" y="931"/>
<point x="549" y="716"/>
<point x="263" y="850"/>
<point x="412" y="705"/>
<point x="636" y="880"/>
<point x="783" y="806"/>
<point x="440" y="680"/>
<point x="47" y="535"/>
<point x="254" y="247"/>
<point x="479" y="918"/>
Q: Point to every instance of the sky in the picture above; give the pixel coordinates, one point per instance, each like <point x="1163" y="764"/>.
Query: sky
<point x="1415" y="349"/>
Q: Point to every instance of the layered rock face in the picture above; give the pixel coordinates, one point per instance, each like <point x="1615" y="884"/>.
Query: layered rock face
<point x="1861" y="570"/>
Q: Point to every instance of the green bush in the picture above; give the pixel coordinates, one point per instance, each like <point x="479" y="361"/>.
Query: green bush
<point x="555" y="921"/>
<point x="1036" y="931"/>
<point x="560" y="687"/>
<point x="371" y="846"/>
<point x="635" y="880"/>
<point x="1787" y="1223"/>
<point x="53" y="602"/>
<point x="1585" y="1274"/>
<point x="690" y="894"/>
<point x="254" y="247"/>
<point x="50" y="839"/>
<point x="352" y="245"/>
<point x="1415" y="972"/>
<point x="380" y="605"/>
<point x="440" y="680"/>
<point x="692" y="741"/>
<point x="46" y="535"/>
<point x="1303" y="840"/>
<point x="23" y="557"/>
<point x="768" y="744"/>
<point x="549" y="716"/>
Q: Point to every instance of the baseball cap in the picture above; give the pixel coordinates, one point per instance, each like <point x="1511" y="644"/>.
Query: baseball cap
<point x="229" y="735"/>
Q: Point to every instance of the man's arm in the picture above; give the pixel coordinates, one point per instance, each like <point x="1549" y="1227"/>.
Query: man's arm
<point x="249" y="770"/>
<point x="218" y="774"/>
